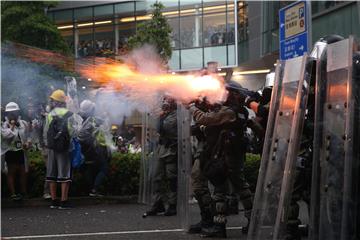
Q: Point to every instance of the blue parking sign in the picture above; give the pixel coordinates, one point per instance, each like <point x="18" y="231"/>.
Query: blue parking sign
<point x="294" y="39"/>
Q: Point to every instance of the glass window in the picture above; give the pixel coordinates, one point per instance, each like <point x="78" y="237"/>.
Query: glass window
<point x="174" y="62"/>
<point x="214" y="29"/>
<point x="190" y="31"/>
<point x="82" y="14"/>
<point x="230" y="27"/>
<point x="317" y="7"/>
<point x="242" y="22"/>
<point x="122" y="33"/>
<point x="124" y="9"/>
<point x="175" y="37"/>
<point x="104" y="41"/>
<point x="190" y="7"/>
<point x="68" y="36"/>
<point x="63" y="16"/>
<point x="103" y="11"/>
<point x="191" y="58"/>
<point x="85" y="46"/>
<point x="50" y="15"/>
<point x="212" y="6"/>
<point x="217" y="54"/>
<point x="231" y="55"/>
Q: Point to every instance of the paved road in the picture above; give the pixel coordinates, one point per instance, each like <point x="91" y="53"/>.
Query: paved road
<point x="105" y="221"/>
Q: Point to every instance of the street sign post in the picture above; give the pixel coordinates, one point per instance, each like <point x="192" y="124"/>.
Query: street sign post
<point x="295" y="29"/>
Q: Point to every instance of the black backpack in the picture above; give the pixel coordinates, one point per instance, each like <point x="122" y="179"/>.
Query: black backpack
<point x="58" y="136"/>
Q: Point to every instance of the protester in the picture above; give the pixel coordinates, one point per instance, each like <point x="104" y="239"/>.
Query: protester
<point x="61" y="126"/>
<point x="15" y="142"/>
<point x="94" y="147"/>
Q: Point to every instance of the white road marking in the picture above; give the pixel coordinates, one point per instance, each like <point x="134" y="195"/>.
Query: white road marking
<point x="101" y="233"/>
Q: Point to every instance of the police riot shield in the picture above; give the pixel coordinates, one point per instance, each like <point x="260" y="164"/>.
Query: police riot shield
<point x="186" y="207"/>
<point x="290" y="94"/>
<point x="149" y="141"/>
<point x="337" y="132"/>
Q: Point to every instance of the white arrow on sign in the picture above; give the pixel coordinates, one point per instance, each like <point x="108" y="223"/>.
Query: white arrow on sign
<point x="301" y="48"/>
<point x="282" y="25"/>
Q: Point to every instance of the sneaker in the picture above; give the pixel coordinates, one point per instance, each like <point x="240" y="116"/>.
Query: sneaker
<point x="46" y="196"/>
<point x="15" y="197"/>
<point x="157" y="208"/>
<point x="171" y="210"/>
<point x="95" y="193"/>
<point x="54" y="204"/>
<point x="65" y="205"/>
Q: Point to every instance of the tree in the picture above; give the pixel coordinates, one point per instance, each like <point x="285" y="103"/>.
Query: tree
<point x="26" y="22"/>
<point x="156" y="32"/>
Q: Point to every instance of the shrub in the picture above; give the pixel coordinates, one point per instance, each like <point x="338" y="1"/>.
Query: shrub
<point x="123" y="178"/>
<point x="251" y="169"/>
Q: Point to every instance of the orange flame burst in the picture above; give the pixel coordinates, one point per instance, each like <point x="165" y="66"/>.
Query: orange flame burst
<point x="124" y="77"/>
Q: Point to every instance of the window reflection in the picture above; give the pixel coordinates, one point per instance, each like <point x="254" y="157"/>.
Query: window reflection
<point x="215" y="29"/>
<point x="190" y="31"/>
<point x="104" y="41"/>
<point x="85" y="46"/>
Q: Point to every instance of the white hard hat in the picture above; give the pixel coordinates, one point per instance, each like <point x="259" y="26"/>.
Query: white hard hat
<point x="11" y="106"/>
<point x="87" y="106"/>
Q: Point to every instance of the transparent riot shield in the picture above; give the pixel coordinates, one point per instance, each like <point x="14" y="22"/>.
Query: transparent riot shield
<point x="149" y="141"/>
<point x="290" y="91"/>
<point x="187" y="209"/>
<point x="73" y="101"/>
<point x="337" y="127"/>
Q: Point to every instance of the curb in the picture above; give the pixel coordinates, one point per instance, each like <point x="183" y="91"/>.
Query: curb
<point x="76" y="201"/>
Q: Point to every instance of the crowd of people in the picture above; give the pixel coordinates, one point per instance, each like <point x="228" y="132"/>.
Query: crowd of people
<point x="56" y="132"/>
<point x="100" y="48"/>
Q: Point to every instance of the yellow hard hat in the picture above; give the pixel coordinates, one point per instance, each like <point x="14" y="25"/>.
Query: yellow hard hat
<point x="58" y="95"/>
<point x="114" y="127"/>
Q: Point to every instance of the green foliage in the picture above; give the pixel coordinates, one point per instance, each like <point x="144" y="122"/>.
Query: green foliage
<point x="156" y="32"/>
<point x="251" y="169"/>
<point x="26" y="22"/>
<point x="123" y="178"/>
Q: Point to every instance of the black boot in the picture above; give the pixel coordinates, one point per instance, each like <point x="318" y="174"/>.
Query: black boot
<point x="171" y="210"/>
<point x="218" y="230"/>
<point x="245" y="229"/>
<point x="204" y="225"/>
<point x="292" y="230"/>
<point x="158" y="207"/>
<point x="232" y="206"/>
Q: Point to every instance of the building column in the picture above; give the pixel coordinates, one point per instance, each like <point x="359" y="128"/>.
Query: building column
<point x="197" y="26"/>
<point x="116" y="35"/>
<point x="76" y="42"/>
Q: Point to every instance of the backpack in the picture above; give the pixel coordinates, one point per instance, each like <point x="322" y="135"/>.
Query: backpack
<point x="77" y="159"/>
<point x="58" y="136"/>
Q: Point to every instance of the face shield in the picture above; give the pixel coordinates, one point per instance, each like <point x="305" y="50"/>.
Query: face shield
<point x="318" y="49"/>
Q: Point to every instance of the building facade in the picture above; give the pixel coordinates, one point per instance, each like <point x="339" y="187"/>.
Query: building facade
<point x="239" y="35"/>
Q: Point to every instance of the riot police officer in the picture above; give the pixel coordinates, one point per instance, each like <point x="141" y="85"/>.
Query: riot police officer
<point x="166" y="169"/>
<point x="224" y="154"/>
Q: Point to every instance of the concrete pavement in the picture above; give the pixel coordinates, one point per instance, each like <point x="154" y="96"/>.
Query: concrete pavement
<point x="102" y="221"/>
